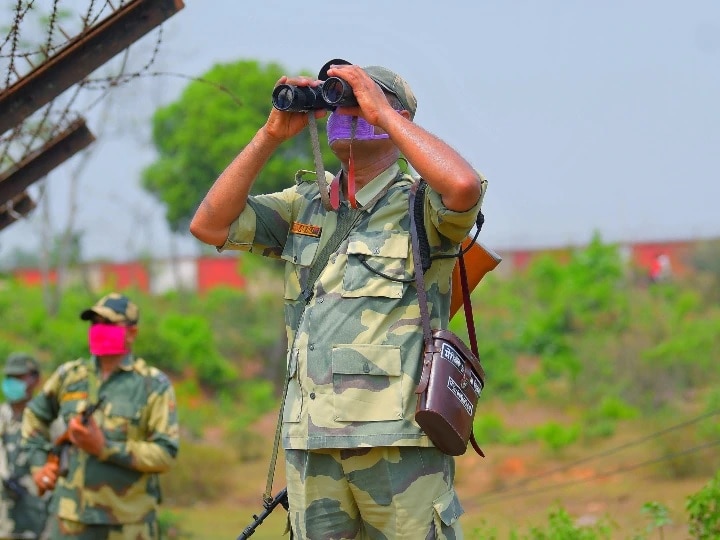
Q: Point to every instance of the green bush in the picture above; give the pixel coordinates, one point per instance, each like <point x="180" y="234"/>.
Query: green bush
<point x="556" y="436"/>
<point x="561" y="526"/>
<point x="488" y="428"/>
<point x="703" y="509"/>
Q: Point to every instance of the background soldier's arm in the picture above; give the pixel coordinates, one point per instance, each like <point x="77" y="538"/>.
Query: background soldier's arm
<point x="157" y="453"/>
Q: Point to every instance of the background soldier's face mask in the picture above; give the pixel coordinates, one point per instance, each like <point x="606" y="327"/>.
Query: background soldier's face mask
<point x="108" y="339"/>
<point x="14" y="389"/>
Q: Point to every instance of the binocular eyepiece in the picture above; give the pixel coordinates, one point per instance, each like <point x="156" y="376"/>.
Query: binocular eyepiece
<point x="331" y="93"/>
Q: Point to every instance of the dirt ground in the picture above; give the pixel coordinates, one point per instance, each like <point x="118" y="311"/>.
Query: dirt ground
<point x="512" y="488"/>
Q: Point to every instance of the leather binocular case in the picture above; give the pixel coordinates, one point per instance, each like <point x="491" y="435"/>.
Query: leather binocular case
<point x="450" y="386"/>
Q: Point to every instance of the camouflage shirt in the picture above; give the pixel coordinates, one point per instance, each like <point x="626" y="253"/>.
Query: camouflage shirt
<point x="354" y="352"/>
<point x="21" y="509"/>
<point x="139" y="421"/>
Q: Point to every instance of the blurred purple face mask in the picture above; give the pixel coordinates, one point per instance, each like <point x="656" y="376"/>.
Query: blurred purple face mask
<point x="339" y="126"/>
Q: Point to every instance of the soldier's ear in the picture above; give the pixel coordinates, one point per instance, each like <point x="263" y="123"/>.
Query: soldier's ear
<point x="132" y="333"/>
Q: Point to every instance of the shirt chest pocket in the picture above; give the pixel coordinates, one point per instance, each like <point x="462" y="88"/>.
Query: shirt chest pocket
<point x="122" y="422"/>
<point x="299" y="253"/>
<point x="374" y="260"/>
<point x="367" y="383"/>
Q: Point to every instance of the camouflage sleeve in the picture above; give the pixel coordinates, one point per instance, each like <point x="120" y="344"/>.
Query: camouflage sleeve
<point x="264" y="224"/>
<point x="451" y="224"/>
<point x="39" y="414"/>
<point x="157" y="453"/>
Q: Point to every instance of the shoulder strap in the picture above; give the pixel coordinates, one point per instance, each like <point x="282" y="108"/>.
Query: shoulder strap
<point x="418" y="209"/>
<point x="417" y="232"/>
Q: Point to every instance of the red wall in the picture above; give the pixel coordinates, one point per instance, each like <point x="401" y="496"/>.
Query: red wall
<point x="225" y="271"/>
<point x="213" y="272"/>
<point x="33" y="276"/>
<point x="122" y="276"/>
<point x="643" y="255"/>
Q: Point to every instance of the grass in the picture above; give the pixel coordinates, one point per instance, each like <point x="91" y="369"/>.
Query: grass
<point x="515" y="487"/>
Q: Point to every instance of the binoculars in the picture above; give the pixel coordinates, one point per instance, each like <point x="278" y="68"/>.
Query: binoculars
<point x="331" y="93"/>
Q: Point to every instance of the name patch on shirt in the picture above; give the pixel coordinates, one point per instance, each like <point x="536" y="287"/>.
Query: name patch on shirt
<point x="73" y="396"/>
<point x="305" y="229"/>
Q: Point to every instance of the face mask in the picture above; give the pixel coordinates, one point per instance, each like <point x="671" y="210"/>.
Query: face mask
<point x="14" y="389"/>
<point x="339" y="126"/>
<point x="108" y="339"/>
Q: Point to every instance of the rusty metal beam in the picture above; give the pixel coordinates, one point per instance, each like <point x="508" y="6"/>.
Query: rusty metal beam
<point x="18" y="207"/>
<point x="82" y="56"/>
<point x="40" y="162"/>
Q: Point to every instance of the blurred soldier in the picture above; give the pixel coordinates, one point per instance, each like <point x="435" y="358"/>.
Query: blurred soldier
<point x="23" y="513"/>
<point x="111" y="490"/>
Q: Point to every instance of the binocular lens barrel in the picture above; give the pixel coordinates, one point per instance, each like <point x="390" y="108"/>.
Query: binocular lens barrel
<point x="337" y="92"/>
<point x="333" y="92"/>
<point x="287" y="97"/>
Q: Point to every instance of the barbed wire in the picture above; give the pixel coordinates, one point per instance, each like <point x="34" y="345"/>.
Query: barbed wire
<point x="30" y="47"/>
<point x="600" y="475"/>
<point x="62" y="111"/>
<point x="520" y="488"/>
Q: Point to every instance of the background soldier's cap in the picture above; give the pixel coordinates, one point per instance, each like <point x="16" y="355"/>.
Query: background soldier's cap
<point x="387" y="79"/>
<point x="20" y="364"/>
<point x="114" y="307"/>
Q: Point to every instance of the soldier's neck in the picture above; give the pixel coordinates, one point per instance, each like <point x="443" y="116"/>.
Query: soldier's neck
<point x="109" y="364"/>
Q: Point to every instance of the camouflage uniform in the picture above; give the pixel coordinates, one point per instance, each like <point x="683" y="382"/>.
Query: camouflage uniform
<point x="354" y="354"/>
<point x="117" y="494"/>
<point x="25" y="511"/>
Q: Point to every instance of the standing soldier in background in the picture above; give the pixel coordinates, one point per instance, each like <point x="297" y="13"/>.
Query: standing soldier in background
<point x="23" y="513"/>
<point x="111" y="490"/>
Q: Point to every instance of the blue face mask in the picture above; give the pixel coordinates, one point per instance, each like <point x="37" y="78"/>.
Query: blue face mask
<point x="14" y="389"/>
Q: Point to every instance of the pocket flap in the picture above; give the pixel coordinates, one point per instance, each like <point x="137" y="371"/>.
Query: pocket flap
<point x="448" y="507"/>
<point x="391" y="244"/>
<point x="366" y="360"/>
<point x="124" y="409"/>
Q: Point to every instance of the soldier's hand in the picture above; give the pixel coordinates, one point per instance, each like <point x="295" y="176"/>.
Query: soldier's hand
<point x="45" y="477"/>
<point x="88" y="437"/>
<point x="282" y="125"/>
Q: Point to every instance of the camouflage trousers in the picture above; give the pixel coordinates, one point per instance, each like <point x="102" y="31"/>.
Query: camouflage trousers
<point x="63" y="529"/>
<point x="383" y="493"/>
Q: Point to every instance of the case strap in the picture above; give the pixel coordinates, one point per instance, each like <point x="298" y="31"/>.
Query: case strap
<point x="424" y="313"/>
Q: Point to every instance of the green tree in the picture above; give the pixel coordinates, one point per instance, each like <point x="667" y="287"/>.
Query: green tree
<point x="199" y="134"/>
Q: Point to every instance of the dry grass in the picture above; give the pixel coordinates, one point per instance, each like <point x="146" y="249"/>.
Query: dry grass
<point x="513" y="488"/>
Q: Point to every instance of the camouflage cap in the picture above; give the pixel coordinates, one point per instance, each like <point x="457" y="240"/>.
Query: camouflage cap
<point x="20" y="363"/>
<point x="114" y="307"/>
<point x="396" y="85"/>
<point x="388" y="81"/>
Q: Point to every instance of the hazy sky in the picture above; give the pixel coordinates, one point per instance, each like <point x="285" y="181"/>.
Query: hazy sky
<point x="583" y="115"/>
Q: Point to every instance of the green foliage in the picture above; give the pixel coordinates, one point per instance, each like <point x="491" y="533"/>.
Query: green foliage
<point x="678" y="462"/>
<point x="169" y="525"/>
<point x="561" y="526"/>
<point x="197" y="136"/>
<point x="556" y="436"/>
<point x="584" y="294"/>
<point x="658" y="514"/>
<point x="501" y="377"/>
<point x="687" y="355"/>
<point x="187" y="340"/>
<point x="488" y="428"/>
<point x="703" y="510"/>
<point x="601" y="421"/>
<point x="709" y="429"/>
<point x="706" y="259"/>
